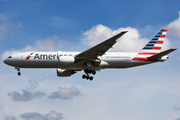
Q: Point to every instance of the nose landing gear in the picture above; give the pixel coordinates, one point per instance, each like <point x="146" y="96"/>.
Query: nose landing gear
<point x="87" y="74"/>
<point x="18" y="69"/>
<point x="19" y="73"/>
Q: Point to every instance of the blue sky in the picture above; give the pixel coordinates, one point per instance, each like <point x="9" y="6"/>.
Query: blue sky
<point x="148" y="92"/>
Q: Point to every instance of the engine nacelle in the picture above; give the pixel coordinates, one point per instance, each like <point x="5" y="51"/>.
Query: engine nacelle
<point x="64" y="73"/>
<point x="66" y="60"/>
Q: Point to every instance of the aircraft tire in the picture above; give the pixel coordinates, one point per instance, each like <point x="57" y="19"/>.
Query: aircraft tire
<point x="19" y="73"/>
<point x="84" y="76"/>
<point x="93" y="72"/>
<point x="87" y="77"/>
<point x="91" y="78"/>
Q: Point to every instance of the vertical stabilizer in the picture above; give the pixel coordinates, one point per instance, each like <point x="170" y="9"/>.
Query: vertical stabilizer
<point x="154" y="46"/>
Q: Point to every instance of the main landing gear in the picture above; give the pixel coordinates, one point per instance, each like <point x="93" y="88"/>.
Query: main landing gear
<point x="87" y="74"/>
<point x="18" y="69"/>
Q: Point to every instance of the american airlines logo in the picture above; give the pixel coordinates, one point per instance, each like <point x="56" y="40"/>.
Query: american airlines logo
<point x="28" y="57"/>
<point x="46" y="57"/>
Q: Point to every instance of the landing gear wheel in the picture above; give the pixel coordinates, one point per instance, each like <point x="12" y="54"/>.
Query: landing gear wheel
<point x="87" y="77"/>
<point x="19" y="73"/>
<point x="86" y="71"/>
<point x="93" y="72"/>
<point x="84" y="76"/>
<point x="91" y="78"/>
<point x="18" y="69"/>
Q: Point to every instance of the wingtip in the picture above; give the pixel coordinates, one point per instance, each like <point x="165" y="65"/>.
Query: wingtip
<point x="174" y="48"/>
<point x="124" y="31"/>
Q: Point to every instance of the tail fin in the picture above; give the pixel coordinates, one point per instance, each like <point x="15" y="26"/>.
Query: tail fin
<point x="151" y="52"/>
<point x="154" y="46"/>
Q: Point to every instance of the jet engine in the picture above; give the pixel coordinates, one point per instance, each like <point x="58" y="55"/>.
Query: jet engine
<point x="66" y="60"/>
<point x="64" y="73"/>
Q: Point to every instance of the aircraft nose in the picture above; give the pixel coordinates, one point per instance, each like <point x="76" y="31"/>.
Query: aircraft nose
<point x="6" y="61"/>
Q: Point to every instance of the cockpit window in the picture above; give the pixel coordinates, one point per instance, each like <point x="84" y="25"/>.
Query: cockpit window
<point x="10" y="57"/>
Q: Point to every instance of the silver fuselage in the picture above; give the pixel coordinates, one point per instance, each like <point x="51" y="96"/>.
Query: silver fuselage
<point x="66" y="60"/>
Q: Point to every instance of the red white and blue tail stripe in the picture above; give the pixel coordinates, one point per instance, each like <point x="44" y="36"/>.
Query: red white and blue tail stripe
<point x="153" y="47"/>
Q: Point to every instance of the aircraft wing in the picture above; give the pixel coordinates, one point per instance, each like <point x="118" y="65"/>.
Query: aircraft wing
<point x="99" y="49"/>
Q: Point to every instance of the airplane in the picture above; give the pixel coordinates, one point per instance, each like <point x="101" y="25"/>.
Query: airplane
<point x="93" y="59"/>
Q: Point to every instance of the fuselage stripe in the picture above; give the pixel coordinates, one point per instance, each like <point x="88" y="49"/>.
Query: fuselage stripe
<point x="147" y="53"/>
<point x="144" y="59"/>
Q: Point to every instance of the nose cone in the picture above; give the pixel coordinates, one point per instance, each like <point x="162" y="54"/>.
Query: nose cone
<point x="6" y="61"/>
<point x="12" y="62"/>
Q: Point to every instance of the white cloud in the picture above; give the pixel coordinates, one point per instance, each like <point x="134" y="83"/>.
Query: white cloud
<point x="53" y="115"/>
<point x="62" y="93"/>
<point x="174" y="27"/>
<point x="177" y="108"/>
<point x="10" y="118"/>
<point x="48" y="44"/>
<point x="97" y="34"/>
<point x="65" y="93"/>
<point x="25" y="96"/>
<point x="131" y="41"/>
<point x="6" y="26"/>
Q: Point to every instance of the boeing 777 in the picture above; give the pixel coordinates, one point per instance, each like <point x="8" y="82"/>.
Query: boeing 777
<point x="93" y="59"/>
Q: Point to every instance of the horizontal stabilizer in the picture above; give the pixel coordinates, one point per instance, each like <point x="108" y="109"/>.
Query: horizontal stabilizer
<point x="161" y="54"/>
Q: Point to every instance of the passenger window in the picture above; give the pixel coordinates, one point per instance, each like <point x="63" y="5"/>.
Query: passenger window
<point x="65" y="54"/>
